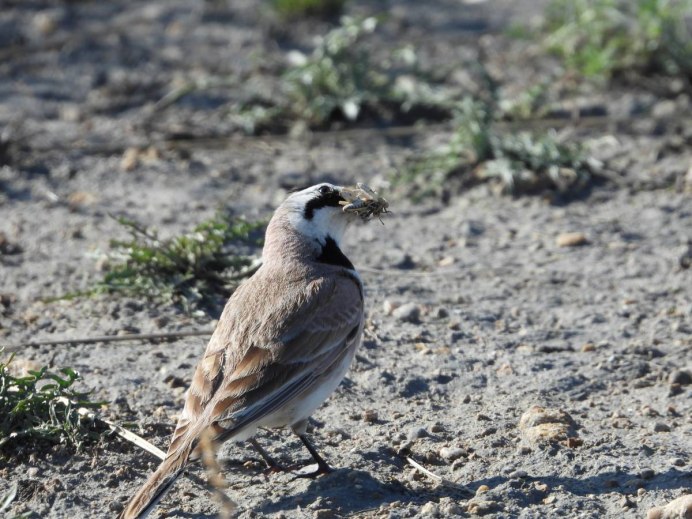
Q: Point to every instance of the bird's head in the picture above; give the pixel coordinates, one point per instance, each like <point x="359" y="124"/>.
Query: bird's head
<point x="314" y="219"/>
<point x="317" y="212"/>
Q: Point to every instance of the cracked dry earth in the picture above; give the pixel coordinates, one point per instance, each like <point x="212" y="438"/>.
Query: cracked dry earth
<point x="537" y="357"/>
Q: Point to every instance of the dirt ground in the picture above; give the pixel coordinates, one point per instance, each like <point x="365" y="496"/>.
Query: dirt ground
<point x="475" y="312"/>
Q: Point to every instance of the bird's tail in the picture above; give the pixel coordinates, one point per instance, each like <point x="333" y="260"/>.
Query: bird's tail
<point x="147" y="497"/>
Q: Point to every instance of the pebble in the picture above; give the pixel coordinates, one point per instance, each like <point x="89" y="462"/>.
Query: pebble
<point x="451" y="453"/>
<point x="32" y="472"/>
<point x="408" y="312"/>
<point x="678" y="462"/>
<point x="416" y="432"/>
<point x="481" y="506"/>
<point x="449" y="508"/>
<point x="647" y="473"/>
<point x="678" y="508"/>
<point x="370" y="416"/>
<point x="518" y="474"/>
<point x="430" y="509"/>
<point x="324" y="513"/>
<point x="571" y="239"/>
<point x="482" y="489"/>
<point x="541" y="425"/>
<point x="661" y="427"/>
<point x="437" y="428"/>
<point x="679" y="376"/>
<point x="388" y="306"/>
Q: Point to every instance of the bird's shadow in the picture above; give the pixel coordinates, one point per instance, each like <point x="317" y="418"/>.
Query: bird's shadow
<point x="347" y="491"/>
<point x="350" y="491"/>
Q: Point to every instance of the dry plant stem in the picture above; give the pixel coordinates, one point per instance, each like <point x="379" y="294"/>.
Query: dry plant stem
<point x="433" y="476"/>
<point x="120" y="431"/>
<point x="217" y="483"/>
<point x="110" y="338"/>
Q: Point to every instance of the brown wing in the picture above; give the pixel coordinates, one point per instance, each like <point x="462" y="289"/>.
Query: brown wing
<point x="274" y="341"/>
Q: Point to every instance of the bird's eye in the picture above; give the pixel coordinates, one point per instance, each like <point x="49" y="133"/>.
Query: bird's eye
<point x="325" y="190"/>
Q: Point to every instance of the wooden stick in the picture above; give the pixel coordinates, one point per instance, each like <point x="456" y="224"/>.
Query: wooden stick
<point x="120" y="431"/>
<point x="110" y="338"/>
<point x="433" y="476"/>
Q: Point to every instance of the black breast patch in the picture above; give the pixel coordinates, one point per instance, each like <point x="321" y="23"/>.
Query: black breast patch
<point x="331" y="254"/>
<point x="330" y="198"/>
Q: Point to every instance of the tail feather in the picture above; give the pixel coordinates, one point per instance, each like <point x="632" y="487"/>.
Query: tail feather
<point x="158" y="484"/>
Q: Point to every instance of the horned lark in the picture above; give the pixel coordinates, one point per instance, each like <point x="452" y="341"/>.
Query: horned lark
<point x="285" y="339"/>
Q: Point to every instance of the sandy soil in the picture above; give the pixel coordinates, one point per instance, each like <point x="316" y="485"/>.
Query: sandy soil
<point x="475" y="312"/>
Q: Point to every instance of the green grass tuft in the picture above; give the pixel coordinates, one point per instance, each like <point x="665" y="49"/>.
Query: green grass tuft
<point x="339" y="79"/>
<point x="32" y="413"/>
<point x="477" y="152"/>
<point x="601" y="38"/>
<point x="197" y="269"/>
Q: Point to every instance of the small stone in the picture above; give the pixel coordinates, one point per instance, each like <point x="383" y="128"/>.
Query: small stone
<point x="589" y="346"/>
<point x="442" y="312"/>
<point x="415" y="433"/>
<point x="541" y="487"/>
<point x="571" y="239"/>
<point x="32" y="472"/>
<point x="481" y="506"/>
<point x="449" y="508"/>
<point x="678" y="462"/>
<point x="641" y="492"/>
<point x="116" y="506"/>
<point x="482" y="417"/>
<point x="647" y="473"/>
<point x="408" y="312"/>
<point x="451" y="453"/>
<point x="370" y="416"/>
<point x="680" y="508"/>
<point x="680" y="376"/>
<point x="549" y="500"/>
<point x="388" y="307"/>
<point x="430" y="509"/>
<point x="518" y="474"/>
<point x="482" y="489"/>
<point x="324" y="513"/>
<point x="437" y="428"/>
<point x="541" y="425"/>
<point x="661" y="427"/>
<point x="446" y="261"/>
<point x="130" y="159"/>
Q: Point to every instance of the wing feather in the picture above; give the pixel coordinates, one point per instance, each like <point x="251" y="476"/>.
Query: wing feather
<point x="261" y="356"/>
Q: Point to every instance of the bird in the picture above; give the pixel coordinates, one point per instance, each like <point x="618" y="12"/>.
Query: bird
<point x="283" y="343"/>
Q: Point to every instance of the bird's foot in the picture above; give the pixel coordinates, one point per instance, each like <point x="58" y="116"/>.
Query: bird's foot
<point x="313" y="471"/>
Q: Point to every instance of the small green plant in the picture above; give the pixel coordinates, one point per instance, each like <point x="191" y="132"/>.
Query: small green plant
<point x="340" y="78"/>
<point x="303" y="8"/>
<point x="518" y="163"/>
<point x="41" y="408"/>
<point x="338" y="75"/>
<point x="196" y="269"/>
<point x="601" y="38"/>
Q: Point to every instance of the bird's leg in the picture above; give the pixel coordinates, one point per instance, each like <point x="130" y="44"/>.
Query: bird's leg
<point x="322" y="466"/>
<point x="272" y="464"/>
<point x="300" y="428"/>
